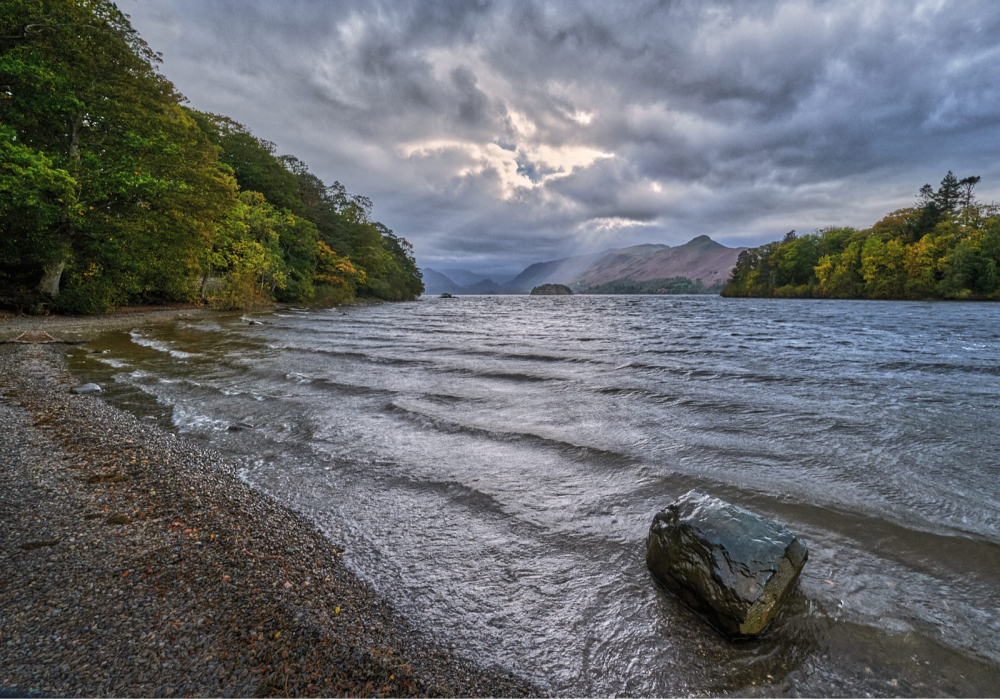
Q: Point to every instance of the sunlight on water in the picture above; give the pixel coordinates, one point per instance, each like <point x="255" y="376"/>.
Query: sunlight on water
<point x="492" y="464"/>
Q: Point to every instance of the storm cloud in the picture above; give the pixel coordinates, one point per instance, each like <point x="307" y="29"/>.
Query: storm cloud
<point x="492" y="135"/>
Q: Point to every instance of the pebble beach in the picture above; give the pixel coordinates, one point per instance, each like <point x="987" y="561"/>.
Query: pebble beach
<point x="137" y="563"/>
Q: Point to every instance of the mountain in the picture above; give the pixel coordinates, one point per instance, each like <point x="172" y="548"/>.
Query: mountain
<point x="486" y="286"/>
<point x="464" y="277"/>
<point x="437" y="283"/>
<point x="620" y="258"/>
<point x="701" y="258"/>
<point x="564" y="271"/>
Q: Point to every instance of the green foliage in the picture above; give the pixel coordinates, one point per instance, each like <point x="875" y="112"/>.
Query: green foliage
<point x="36" y="200"/>
<point x="671" y="285"/>
<point x="112" y="192"/>
<point x="946" y="247"/>
<point x="252" y="159"/>
<point x="247" y="252"/>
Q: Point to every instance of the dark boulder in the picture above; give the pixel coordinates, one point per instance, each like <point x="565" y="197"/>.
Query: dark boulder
<point x="733" y="566"/>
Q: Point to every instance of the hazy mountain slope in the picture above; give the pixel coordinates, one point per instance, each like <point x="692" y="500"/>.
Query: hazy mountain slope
<point x="564" y="271"/>
<point x="437" y="283"/>
<point x="464" y="277"/>
<point x="621" y="258"/>
<point x="486" y="286"/>
<point x="701" y="258"/>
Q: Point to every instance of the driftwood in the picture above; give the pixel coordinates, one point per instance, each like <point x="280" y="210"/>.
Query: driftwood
<point x="40" y="337"/>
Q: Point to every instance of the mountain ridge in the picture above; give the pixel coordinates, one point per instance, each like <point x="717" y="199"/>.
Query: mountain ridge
<point x="700" y="259"/>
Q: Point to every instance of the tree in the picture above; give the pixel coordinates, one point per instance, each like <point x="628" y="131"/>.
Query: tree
<point x="883" y="268"/>
<point x="795" y="259"/>
<point x="253" y="160"/>
<point x="839" y="275"/>
<point x="83" y="90"/>
<point x="248" y="253"/>
<point x="37" y="200"/>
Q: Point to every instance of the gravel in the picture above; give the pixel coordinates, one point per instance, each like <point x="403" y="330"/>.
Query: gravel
<point x="137" y="563"/>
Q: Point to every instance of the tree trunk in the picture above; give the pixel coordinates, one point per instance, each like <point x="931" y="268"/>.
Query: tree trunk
<point x="52" y="274"/>
<point x="51" y="278"/>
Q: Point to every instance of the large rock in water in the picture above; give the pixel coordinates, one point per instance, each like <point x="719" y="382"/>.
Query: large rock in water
<point x="552" y="290"/>
<point x="730" y="564"/>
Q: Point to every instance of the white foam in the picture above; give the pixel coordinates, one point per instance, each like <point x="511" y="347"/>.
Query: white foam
<point x="139" y="339"/>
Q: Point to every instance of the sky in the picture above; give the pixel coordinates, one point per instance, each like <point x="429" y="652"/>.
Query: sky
<point x="492" y="135"/>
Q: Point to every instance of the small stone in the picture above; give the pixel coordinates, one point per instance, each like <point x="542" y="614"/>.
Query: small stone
<point x="86" y="388"/>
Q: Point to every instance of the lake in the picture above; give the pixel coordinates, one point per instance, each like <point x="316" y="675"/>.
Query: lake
<point x="492" y="465"/>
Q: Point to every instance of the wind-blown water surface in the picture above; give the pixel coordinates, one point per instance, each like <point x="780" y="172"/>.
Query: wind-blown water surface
<point x="492" y="464"/>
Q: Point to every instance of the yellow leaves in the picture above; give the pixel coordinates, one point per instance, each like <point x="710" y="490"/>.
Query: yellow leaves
<point x="336" y="610"/>
<point x="277" y="635"/>
<point x="334" y="269"/>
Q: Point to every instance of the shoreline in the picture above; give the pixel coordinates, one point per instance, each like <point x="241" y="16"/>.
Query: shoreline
<point x="138" y="563"/>
<point x="76" y="328"/>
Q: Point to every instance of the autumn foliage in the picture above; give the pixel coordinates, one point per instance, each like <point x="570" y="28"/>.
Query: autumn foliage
<point x="945" y="247"/>
<point x="113" y="192"/>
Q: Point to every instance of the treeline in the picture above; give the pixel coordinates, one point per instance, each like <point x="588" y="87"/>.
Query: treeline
<point x="113" y="192"/>
<point x="945" y="247"/>
<point x="670" y="285"/>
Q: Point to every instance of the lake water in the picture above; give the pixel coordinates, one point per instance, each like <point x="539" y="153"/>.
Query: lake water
<point x="492" y="464"/>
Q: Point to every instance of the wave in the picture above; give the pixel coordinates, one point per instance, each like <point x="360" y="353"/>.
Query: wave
<point x="347" y="354"/>
<point x="447" y="425"/>
<point x="140" y="339"/>
<point x="941" y="368"/>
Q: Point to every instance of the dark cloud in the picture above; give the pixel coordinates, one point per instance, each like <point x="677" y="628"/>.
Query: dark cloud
<point x="492" y="135"/>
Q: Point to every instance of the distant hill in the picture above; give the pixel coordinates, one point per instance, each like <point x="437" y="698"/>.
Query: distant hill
<point x="634" y="269"/>
<point x="564" y="271"/>
<point x="464" y="277"/>
<point x="437" y="283"/>
<point x="701" y="258"/>
<point x="486" y="286"/>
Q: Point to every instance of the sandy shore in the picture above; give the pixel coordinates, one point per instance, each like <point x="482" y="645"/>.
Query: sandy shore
<point x="137" y="563"/>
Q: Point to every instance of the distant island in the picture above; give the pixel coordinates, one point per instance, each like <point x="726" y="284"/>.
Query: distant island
<point x="947" y="246"/>
<point x="552" y="290"/>
<point x="700" y="266"/>
<point x="117" y="193"/>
